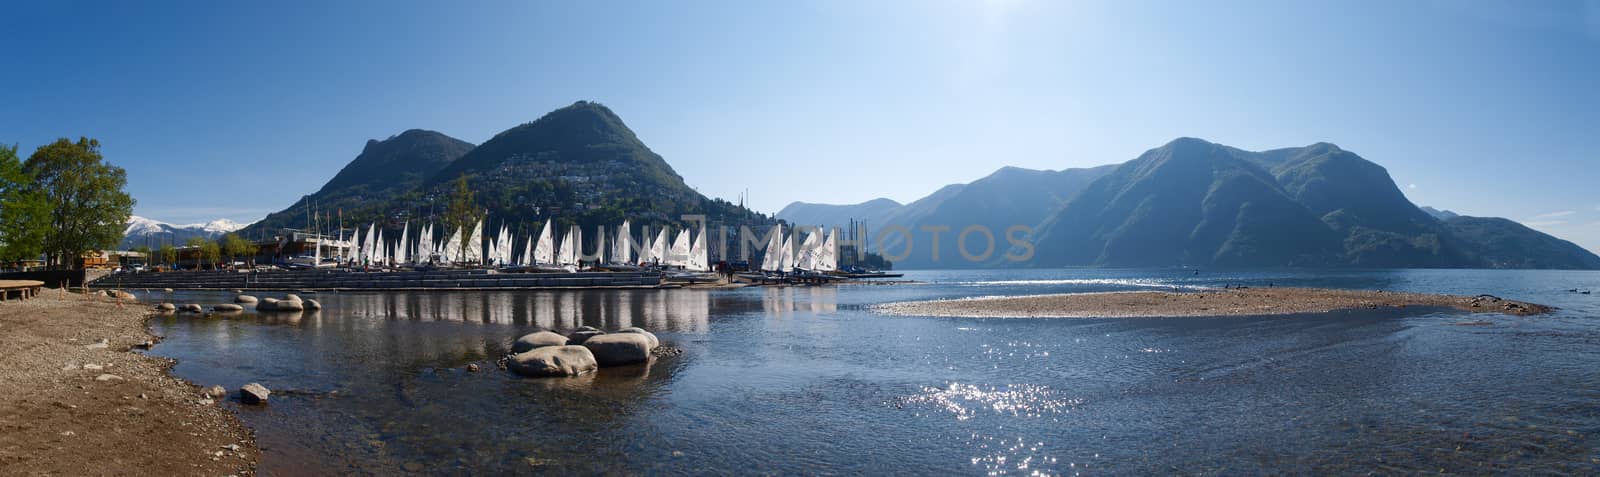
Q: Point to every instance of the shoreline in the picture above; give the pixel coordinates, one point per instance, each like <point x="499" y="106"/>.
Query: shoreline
<point x="1207" y="303"/>
<point x="76" y="400"/>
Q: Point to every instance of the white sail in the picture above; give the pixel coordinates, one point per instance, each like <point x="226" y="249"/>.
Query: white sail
<point x="678" y="255"/>
<point x="658" y="248"/>
<point x="698" y="261"/>
<point x="425" y="244"/>
<point x="505" y="245"/>
<point x="527" y="253"/>
<point x="366" y="243"/>
<point x="544" y="252"/>
<point x="621" y="248"/>
<point x="453" y="250"/>
<point x="786" y="254"/>
<point x="400" y="255"/>
<point x="566" y="255"/>
<point x="830" y="252"/>
<point x="382" y="249"/>
<point x="806" y="256"/>
<point x="474" y="244"/>
<point x="771" y="259"/>
<point x="646" y="247"/>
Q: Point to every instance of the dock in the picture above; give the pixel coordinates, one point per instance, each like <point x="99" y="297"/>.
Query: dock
<point x="21" y="289"/>
<point x="352" y="280"/>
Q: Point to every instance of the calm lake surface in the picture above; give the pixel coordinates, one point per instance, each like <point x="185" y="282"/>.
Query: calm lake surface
<point x="811" y="381"/>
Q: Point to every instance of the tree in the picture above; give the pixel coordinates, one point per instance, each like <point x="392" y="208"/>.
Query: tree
<point x="235" y="246"/>
<point x="24" y="212"/>
<point x="169" y="255"/>
<point x="462" y="211"/>
<point x="206" y="251"/>
<point x="89" y="208"/>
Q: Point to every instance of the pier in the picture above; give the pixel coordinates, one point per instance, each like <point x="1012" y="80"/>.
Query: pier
<point x="21" y="289"/>
<point x="336" y="280"/>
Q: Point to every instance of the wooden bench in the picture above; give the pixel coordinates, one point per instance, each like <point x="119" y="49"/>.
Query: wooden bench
<point x="23" y="289"/>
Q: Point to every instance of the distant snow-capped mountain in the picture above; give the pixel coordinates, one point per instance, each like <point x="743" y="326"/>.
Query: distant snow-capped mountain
<point x="143" y="231"/>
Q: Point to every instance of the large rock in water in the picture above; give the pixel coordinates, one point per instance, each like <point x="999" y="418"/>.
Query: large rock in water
<point x="227" y="307"/>
<point x="553" y="361"/>
<point x="244" y="299"/>
<point x="267" y="304"/>
<point x="619" y="348"/>
<point x="537" y="340"/>
<point x="582" y="334"/>
<point x="654" y="342"/>
<point x="254" y="394"/>
<point x="311" y="304"/>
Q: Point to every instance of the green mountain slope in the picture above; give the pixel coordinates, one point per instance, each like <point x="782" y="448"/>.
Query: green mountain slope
<point x="385" y="172"/>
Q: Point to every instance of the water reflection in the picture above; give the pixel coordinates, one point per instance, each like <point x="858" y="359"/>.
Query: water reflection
<point x="684" y="311"/>
<point x="784" y="301"/>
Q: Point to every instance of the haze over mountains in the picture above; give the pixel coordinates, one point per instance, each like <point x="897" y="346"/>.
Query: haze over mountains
<point x="1187" y="203"/>
<point x="1195" y="203"/>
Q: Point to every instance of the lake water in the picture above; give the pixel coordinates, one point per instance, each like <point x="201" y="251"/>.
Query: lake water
<point x="811" y="381"/>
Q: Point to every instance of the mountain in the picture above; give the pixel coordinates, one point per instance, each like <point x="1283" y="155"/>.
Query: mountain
<point x="384" y="172"/>
<point x="809" y="213"/>
<point x="1008" y="197"/>
<point x="147" y="232"/>
<point x="1440" y="213"/>
<point x="1194" y="203"/>
<point x="578" y="165"/>
<point x="1501" y="243"/>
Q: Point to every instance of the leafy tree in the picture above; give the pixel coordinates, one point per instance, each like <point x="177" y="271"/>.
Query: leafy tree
<point x="169" y="255"/>
<point x="235" y="246"/>
<point x="24" y="212"/>
<point x="207" y="250"/>
<point x="462" y="210"/>
<point x="88" y="205"/>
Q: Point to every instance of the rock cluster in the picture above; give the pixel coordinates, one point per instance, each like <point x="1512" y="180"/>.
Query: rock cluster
<point x="548" y="354"/>
<point x="254" y="393"/>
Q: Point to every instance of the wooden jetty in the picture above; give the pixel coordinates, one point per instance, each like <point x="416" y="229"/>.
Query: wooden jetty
<point x="22" y="289"/>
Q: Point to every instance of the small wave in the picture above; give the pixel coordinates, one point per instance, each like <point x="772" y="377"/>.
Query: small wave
<point x="965" y="401"/>
<point x="1129" y="282"/>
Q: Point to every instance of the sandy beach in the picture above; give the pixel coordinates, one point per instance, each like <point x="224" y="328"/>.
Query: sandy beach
<point x="71" y="404"/>
<point x="1224" y="302"/>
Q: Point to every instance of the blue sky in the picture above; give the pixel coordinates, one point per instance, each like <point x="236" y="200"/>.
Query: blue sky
<point x="235" y="109"/>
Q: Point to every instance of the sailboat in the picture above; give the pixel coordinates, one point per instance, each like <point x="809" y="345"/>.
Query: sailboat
<point x="696" y="266"/>
<point x="679" y="255"/>
<point x="658" y="248"/>
<point x="622" y="251"/>
<point x="545" y="253"/>
<point x="472" y="255"/>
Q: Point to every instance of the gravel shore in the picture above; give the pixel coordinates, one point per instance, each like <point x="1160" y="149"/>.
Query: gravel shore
<point x="72" y="404"/>
<point x="1224" y="302"/>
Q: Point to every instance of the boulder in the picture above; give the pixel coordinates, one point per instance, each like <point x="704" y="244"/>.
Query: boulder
<point x="215" y="392"/>
<point x="227" y="307"/>
<point x="244" y="299"/>
<point x="311" y="304"/>
<point x="537" y="340"/>
<point x="553" y="361"/>
<point x="582" y="334"/>
<point x="654" y="342"/>
<point x="619" y="348"/>
<point x="292" y="297"/>
<point x="166" y="307"/>
<point x="274" y="304"/>
<point x="254" y="394"/>
<point x="192" y="308"/>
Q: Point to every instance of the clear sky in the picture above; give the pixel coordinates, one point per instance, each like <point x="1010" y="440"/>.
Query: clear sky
<point x="235" y="109"/>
